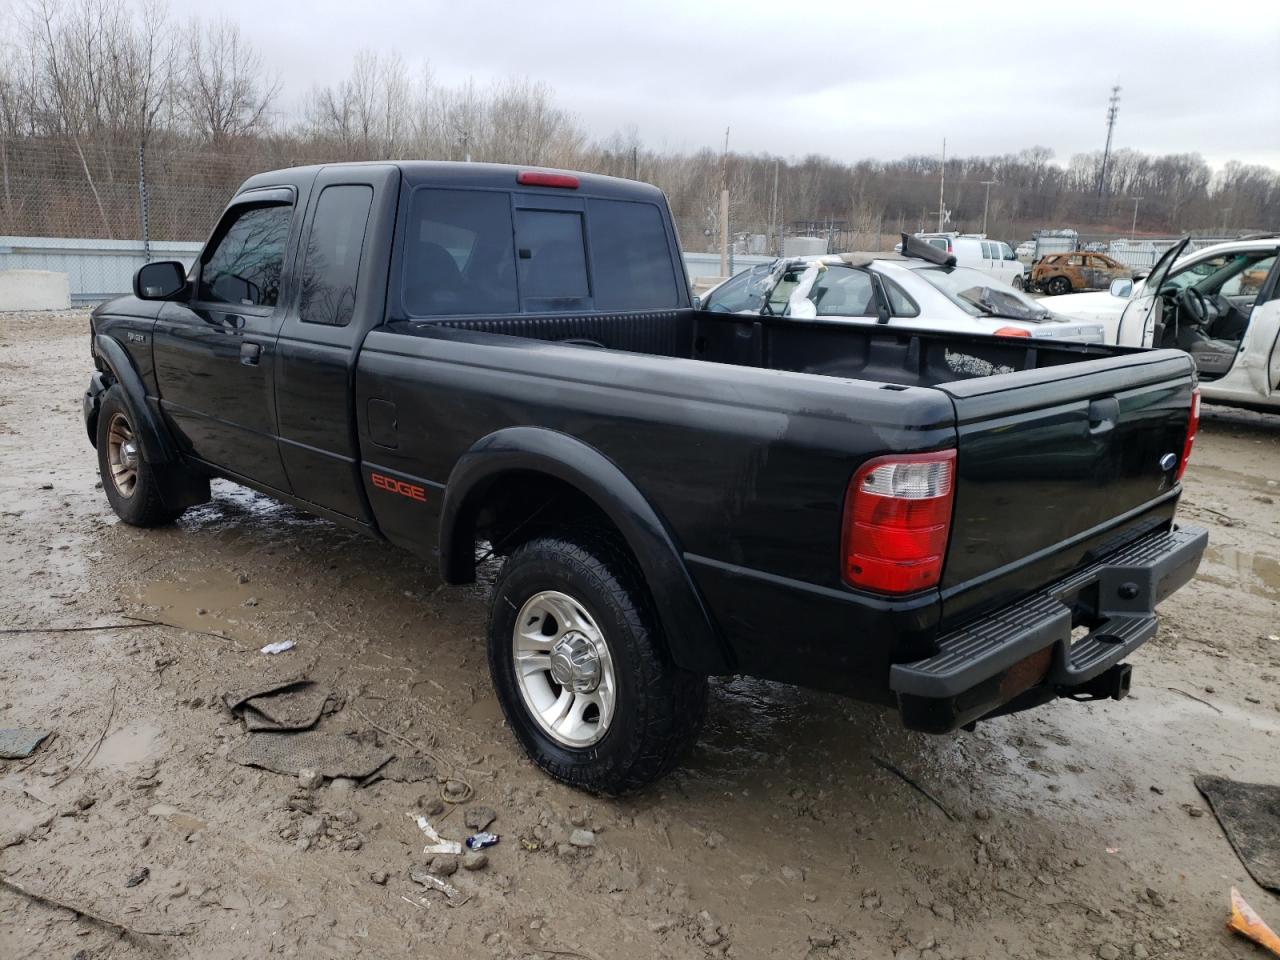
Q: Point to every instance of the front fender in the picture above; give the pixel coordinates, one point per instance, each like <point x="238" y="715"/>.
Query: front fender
<point x="157" y="445"/>
<point x="692" y="637"/>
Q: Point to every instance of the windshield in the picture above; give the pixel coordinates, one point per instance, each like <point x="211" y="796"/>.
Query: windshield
<point x="978" y="295"/>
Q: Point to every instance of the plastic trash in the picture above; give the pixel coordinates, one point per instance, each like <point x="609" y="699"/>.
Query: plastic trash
<point x="1246" y="922"/>
<point x="439" y="844"/>
<point x="481" y="840"/>
<point x="279" y="646"/>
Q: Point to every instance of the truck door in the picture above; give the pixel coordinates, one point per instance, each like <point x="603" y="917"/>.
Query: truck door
<point x="339" y="297"/>
<point x="214" y="353"/>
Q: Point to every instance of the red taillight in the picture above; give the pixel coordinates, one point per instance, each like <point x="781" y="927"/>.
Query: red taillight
<point x="1012" y="332"/>
<point x="532" y="178"/>
<point x="897" y="517"/>
<point x="1193" y="425"/>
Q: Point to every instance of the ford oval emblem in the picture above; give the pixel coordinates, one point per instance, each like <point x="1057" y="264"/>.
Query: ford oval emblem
<point x="1168" y="461"/>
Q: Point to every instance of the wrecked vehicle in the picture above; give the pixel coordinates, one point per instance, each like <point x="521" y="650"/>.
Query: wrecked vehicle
<point x="1061" y="273"/>
<point x="922" y="288"/>
<point x="474" y="360"/>
<point x="1221" y="304"/>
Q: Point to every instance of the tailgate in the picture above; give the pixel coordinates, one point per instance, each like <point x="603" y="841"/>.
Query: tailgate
<point x="1056" y="463"/>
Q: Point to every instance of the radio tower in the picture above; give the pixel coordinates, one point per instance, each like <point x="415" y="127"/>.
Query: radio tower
<point x="1113" y="107"/>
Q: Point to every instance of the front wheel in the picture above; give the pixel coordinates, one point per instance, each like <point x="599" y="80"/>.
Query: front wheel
<point x="129" y="481"/>
<point x="580" y="667"/>
<point x="1019" y="284"/>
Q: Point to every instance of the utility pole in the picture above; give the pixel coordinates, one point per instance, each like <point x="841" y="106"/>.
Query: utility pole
<point x="773" y="212"/>
<point x="635" y="163"/>
<point x="942" y="182"/>
<point x="724" y="207"/>
<point x="986" y="203"/>
<point x="1113" y="108"/>
<point x="1133" y="229"/>
<point x="1226" y="213"/>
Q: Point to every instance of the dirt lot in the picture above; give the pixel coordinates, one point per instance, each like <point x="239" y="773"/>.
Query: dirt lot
<point x="1074" y="831"/>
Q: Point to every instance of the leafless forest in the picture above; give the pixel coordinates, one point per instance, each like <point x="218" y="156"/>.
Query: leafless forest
<point x="95" y="93"/>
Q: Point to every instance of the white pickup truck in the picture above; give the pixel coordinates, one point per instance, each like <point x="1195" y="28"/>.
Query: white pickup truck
<point x="1220" y="304"/>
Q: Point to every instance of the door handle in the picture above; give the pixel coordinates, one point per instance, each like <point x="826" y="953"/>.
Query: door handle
<point x="250" y="353"/>
<point x="1103" y="414"/>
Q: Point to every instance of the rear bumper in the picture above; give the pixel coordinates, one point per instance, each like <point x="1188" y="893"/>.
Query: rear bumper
<point x="1028" y="645"/>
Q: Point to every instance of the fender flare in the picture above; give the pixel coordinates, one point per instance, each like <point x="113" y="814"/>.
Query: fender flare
<point x="692" y="637"/>
<point x="157" y="445"/>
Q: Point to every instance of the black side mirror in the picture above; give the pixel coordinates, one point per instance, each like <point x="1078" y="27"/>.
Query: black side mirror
<point x="162" y="280"/>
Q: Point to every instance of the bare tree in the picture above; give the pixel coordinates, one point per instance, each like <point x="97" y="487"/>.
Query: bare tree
<point x="224" y="90"/>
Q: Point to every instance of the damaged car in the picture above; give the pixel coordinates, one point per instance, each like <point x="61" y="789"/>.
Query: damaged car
<point x="1061" y="273"/>
<point x="920" y="288"/>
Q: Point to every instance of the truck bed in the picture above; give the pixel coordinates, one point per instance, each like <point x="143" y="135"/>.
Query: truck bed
<point x="772" y="416"/>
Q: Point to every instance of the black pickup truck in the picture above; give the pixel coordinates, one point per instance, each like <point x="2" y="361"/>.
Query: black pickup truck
<point x="470" y="359"/>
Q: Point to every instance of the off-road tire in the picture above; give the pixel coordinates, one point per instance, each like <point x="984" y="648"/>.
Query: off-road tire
<point x="144" y="506"/>
<point x="1058" y="286"/>
<point x="659" y="706"/>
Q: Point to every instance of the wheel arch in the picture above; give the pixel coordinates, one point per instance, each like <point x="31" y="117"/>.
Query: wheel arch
<point x="692" y="637"/>
<point x="157" y="445"/>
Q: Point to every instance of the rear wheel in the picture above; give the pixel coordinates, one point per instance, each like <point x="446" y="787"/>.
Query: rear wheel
<point x="580" y="667"/>
<point x="1019" y="284"/>
<point x="130" y="483"/>
<point x="1058" y="286"/>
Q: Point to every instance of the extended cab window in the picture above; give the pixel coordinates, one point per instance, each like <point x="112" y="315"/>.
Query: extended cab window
<point x="331" y="263"/>
<point x="630" y="257"/>
<point x="244" y="265"/>
<point x="459" y="254"/>
<point x="552" y="258"/>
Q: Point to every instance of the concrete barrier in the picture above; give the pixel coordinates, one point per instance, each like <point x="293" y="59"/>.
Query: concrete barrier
<point x="34" y="290"/>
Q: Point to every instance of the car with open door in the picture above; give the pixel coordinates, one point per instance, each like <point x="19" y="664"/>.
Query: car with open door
<point x="1220" y="304"/>
<point x="921" y="288"/>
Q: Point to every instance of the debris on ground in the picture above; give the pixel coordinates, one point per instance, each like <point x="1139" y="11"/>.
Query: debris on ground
<point x="438" y="844"/>
<point x="1250" y="816"/>
<point x="295" y="704"/>
<point x="419" y="874"/>
<point x="481" y="840"/>
<point x="333" y="755"/>
<point x="138" y="877"/>
<point x="479" y="817"/>
<point x="280" y="646"/>
<point x="1246" y="922"/>
<point x="18" y="743"/>
<point x="475" y="861"/>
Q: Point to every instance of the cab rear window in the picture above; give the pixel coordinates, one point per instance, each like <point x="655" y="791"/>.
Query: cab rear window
<point x="477" y="252"/>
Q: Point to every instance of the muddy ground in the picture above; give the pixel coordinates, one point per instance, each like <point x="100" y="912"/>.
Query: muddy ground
<point x="1074" y="831"/>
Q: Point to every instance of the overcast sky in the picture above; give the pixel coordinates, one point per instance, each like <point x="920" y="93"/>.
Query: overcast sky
<point x="850" y="80"/>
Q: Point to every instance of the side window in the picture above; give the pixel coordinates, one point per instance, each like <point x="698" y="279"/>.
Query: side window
<point x="1006" y="252"/>
<point x="459" y="255"/>
<point x="939" y="242"/>
<point x="245" y="265"/>
<point x="630" y="257"/>
<point x="988" y="251"/>
<point x="900" y="304"/>
<point x="331" y="265"/>
<point x="843" y="292"/>
<point x="552" y="259"/>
